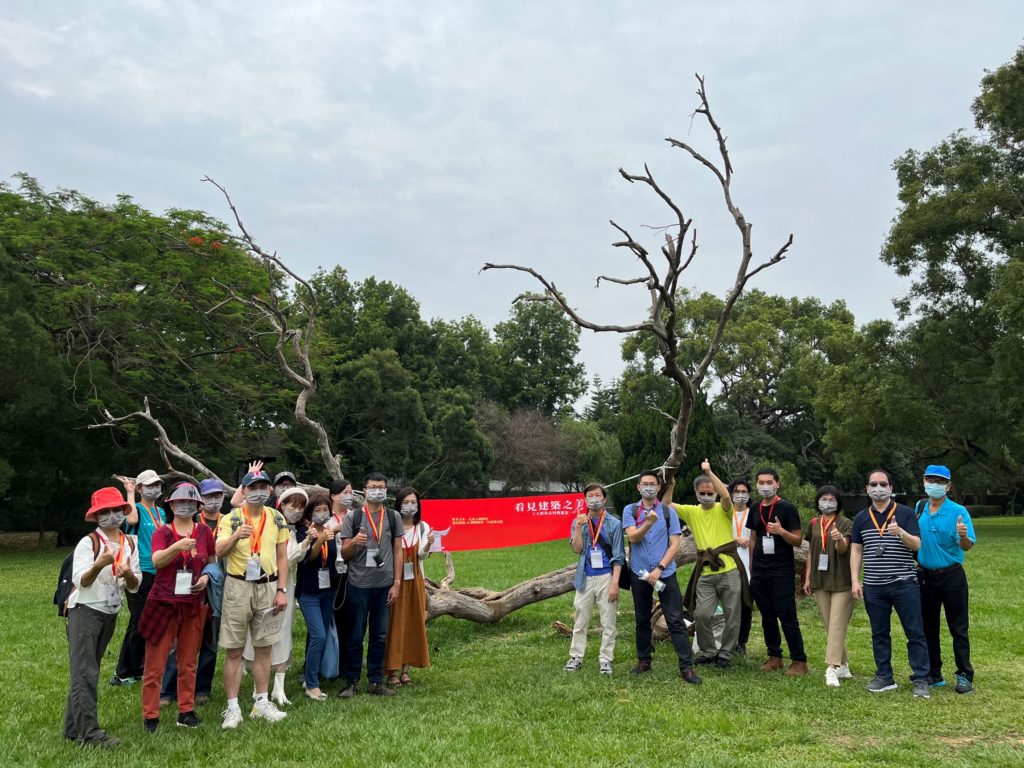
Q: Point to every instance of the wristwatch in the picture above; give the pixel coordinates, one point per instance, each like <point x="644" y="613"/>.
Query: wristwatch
<point x="282" y="590"/>
<point x="660" y="567"/>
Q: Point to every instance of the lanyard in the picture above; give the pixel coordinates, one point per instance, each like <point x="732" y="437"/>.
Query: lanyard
<point x="323" y="555"/>
<point x="378" y="527"/>
<point x="771" y="510"/>
<point x="152" y="517"/>
<point x="824" y="528"/>
<point x="117" y="557"/>
<point x="738" y="523"/>
<point x="185" y="556"/>
<point x="594" y="535"/>
<point x="256" y="540"/>
<point x="874" y="520"/>
<point x="640" y="508"/>
<point x="410" y="549"/>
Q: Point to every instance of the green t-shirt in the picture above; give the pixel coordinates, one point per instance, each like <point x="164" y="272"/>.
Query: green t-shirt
<point x="836" y="577"/>
<point x="711" y="529"/>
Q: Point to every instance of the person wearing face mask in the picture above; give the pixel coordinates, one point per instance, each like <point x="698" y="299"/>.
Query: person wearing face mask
<point x="212" y="492"/>
<point x="253" y="541"/>
<point x="371" y="543"/>
<point x="291" y="504"/>
<point x="105" y="565"/>
<point x="827" y="577"/>
<point x="406" y="645"/>
<point x="947" y="532"/>
<point x="653" y="536"/>
<point x="739" y="492"/>
<point x="282" y="482"/>
<point x="315" y="585"/>
<point x="597" y="538"/>
<point x="884" y="538"/>
<point x="175" y="614"/>
<point x="141" y="523"/>
<point x="774" y="527"/>
<point x="342" y="500"/>
<point x="716" y="578"/>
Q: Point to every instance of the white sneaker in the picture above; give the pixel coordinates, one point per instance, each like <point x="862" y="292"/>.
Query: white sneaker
<point x="831" y="678"/>
<point x="606" y="667"/>
<point x="843" y="672"/>
<point x="573" y="664"/>
<point x="265" y="710"/>
<point x="232" y="718"/>
<point x="278" y="697"/>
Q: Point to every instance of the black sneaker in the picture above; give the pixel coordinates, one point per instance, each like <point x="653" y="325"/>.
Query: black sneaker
<point x="150" y="724"/>
<point x="102" y="741"/>
<point x="640" y="668"/>
<point x="741" y="649"/>
<point x="882" y="684"/>
<point x="701" y="661"/>
<point x="347" y="692"/>
<point x="379" y="689"/>
<point x="691" y="677"/>
<point x="963" y="685"/>
<point x="119" y="681"/>
<point x="722" y="663"/>
<point x="188" y="720"/>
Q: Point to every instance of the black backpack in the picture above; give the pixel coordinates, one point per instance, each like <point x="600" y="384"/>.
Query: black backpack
<point x="65" y="586"/>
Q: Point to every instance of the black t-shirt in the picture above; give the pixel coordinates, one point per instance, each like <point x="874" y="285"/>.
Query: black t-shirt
<point x="781" y="563"/>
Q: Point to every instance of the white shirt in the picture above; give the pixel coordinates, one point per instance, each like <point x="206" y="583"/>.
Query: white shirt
<point x="95" y="595"/>
<point x="423" y="550"/>
<point x="739" y="524"/>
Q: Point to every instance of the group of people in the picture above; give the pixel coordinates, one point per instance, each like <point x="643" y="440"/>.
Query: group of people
<point x="196" y="578"/>
<point x="892" y="557"/>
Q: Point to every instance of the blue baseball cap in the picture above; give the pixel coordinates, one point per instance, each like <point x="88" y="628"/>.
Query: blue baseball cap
<point x="937" y="470"/>
<point x="255" y="477"/>
<point x="211" y="485"/>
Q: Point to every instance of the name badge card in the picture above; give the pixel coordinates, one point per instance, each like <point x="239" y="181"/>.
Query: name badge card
<point x="408" y="574"/>
<point x="371" y="557"/>
<point x="340" y="565"/>
<point x="596" y="562"/>
<point x="823" y="562"/>
<point x="114" y="596"/>
<point x="323" y="578"/>
<point x="183" y="582"/>
<point x="768" y="545"/>
<point x="252" y="569"/>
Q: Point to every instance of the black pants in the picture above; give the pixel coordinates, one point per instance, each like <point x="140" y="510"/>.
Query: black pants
<point x="671" y="608"/>
<point x="946" y="589"/>
<point x="775" y="596"/>
<point x="131" y="659"/>
<point x="746" y="619"/>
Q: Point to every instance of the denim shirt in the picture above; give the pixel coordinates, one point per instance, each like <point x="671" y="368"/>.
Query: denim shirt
<point x="610" y="532"/>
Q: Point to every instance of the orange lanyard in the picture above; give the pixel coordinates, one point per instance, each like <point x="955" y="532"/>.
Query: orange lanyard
<point x="323" y="554"/>
<point x="824" y="528"/>
<point x="256" y="540"/>
<point x="152" y="517"/>
<point x="885" y="523"/>
<point x="593" y="534"/>
<point x="738" y="522"/>
<point x="378" y="527"/>
<point x="186" y="556"/>
<point x="117" y="557"/>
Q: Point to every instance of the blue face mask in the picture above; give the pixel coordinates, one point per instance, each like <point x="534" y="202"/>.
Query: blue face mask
<point x="935" y="490"/>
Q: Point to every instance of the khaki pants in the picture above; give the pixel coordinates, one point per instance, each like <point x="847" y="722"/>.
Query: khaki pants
<point x="714" y="589"/>
<point x="836" y="609"/>
<point x="596" y="591"/>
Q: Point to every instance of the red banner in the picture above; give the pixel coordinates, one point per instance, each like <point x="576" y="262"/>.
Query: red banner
<point x="462" y="524"/>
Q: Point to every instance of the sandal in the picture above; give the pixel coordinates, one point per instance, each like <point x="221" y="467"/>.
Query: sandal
<point x="318" y="697"/>
<point x="406" y="680"/>
<point x="393" y="681"/>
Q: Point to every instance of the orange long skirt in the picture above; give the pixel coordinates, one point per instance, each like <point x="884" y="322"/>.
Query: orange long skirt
<point x="407" y="626"/>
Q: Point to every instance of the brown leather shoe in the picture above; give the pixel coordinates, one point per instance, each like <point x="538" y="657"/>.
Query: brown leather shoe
<point x="773" y="664"/>
<point x="796" y="669"/>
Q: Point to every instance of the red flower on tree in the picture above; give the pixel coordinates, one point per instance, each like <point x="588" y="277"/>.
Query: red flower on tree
<point x="196" y="240"/>
<point x="215" y="245"/>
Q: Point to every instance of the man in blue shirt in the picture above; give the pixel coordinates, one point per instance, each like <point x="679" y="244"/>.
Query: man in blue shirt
<point x="597" y="538"/>
<point x="947" y="532"/>
<point x="653" y="534"/>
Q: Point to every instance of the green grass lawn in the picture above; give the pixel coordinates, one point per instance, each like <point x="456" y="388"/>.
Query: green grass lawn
<point x="497" y="695"/>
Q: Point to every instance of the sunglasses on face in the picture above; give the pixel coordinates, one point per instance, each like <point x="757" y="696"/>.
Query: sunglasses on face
<point x="878" y="484"/>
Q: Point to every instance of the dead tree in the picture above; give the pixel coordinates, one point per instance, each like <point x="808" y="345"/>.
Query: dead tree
<point x="676" y="255"/>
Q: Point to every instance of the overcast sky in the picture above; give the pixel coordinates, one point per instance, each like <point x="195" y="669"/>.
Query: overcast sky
<point x="416" y="140"/>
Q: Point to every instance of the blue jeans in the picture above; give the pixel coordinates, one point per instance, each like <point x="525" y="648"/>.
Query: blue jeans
<point x="205" y="667"/>
<point x="905" y="597"/>
<point x="318" y="611"/>
<point x="367" y="607"/>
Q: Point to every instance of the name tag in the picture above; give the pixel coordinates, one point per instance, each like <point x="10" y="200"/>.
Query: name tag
<point x="768" y="545"/>
<point x="183" y="582"/>
<point x="596" y="561"/>
<point x="408" y="572"/>
<point x="323" y="578"/>
<point x="371" y="557"/>
<point x="114" y="596"/>
<point x="340" y="566"/>
<point x="252" y="569"/>
<point x="822" y="562"/>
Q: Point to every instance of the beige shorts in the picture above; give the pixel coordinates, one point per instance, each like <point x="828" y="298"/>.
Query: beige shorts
<point x="242" y="604"/>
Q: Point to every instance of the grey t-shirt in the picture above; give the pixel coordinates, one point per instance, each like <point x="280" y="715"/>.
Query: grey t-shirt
<point x="383" y="575"/>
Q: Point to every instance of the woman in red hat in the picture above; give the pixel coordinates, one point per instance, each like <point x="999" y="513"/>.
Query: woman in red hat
<point x="175" y="611"/>
<point x="105" y="564"/>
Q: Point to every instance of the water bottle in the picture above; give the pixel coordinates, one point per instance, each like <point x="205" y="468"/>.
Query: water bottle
<point x="658" y="585"/>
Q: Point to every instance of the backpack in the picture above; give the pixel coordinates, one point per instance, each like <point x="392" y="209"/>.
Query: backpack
<point x="65" y="585"/>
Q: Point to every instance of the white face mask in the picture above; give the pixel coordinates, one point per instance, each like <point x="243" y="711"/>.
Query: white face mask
<point x="706" y="499"/>
<point x="347" y="499"/>
<point x="291" y="514"/>
<point x="740" y="498"/>
<point x="376" y="495"/>
<point x="408" y="510"/>
<point x="110" y="519"/>
<point x="766" y="491"/>
<point x="185" y="508"/>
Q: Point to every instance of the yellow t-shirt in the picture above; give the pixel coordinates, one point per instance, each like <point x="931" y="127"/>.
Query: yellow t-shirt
<point x="711" y="529"/>
<point x="273" y="534"/>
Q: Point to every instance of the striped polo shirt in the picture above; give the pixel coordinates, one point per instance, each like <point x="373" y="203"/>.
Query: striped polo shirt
<point x="896" y="562"/>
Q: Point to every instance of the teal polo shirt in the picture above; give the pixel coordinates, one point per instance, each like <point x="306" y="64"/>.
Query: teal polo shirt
<point x="940" y="545"/>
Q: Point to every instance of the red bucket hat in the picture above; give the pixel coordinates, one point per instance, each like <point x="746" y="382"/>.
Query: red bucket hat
<point x="107" y="498"/>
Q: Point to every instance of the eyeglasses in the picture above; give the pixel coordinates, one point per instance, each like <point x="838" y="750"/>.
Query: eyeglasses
<point x="878" y="484"/>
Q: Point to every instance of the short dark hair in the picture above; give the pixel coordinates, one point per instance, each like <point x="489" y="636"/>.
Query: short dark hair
<point x="876" y="471"/>
<point x="766" y="471"/>
<point x="738" y="481"/>
<point x="339" y="485"/>
<point x="828" y="490"/>
<point x="595" y="487"/>
<point x="400" y="496"/>
<point x="315" y="499"/>
<point x="649" y="473"/>
<point x="377" y="477"/>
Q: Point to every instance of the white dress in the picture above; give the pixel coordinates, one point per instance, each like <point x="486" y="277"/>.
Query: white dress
<point x="281" y="651"/>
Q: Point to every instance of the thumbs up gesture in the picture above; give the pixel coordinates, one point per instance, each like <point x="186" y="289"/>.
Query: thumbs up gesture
<point x="834" y="534"/>
<point x="961" y="527"/>
<point x="894" y="528"/>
